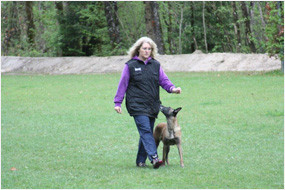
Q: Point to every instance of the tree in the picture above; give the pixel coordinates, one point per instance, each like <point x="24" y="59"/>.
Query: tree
<point x="153" y="26"/>
<point x="30" y="23"/>
<point x="180" y="28"/>
<point x="9" y="26"/>
<point x="236" y="26"/>
<point x="169" y="26"/>
<point x="275" y="30"/>
<point x="247" y="27"/>
<point x="82" y="28"/>
<point x="111" y="10"/>
<point x="204" y="26"/>
<point x="192" y="20"/>
<point x="94" y="29"/>
<point x="257" y="26"/>
<point x="71" y="31"/>
<point x="221" y="27"/>
<point x="261" y="16"/>
<point x="61" y="22"/>
<point x="86" y="28"/>
<point x="12" y="28"/>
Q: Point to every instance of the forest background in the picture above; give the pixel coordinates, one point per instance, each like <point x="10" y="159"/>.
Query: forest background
<point x="233" y="123"/>
<point x="106" y="28"/>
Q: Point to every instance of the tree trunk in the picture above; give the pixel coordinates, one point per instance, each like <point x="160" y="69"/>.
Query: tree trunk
<point x="148" y="20"/>
<point x="180" y="30"/>
<point x="60" y="20"/>
<point x="204" y="26"/>
<point x="30" y="23"/>
<point x="111" y="9"/>
<point x="169" y="28"/>
<point x="262" y="21"/>
<point x="257" y="32"/>
<point x="236" y="26"/>
<point x="261" y="15"/>
<point x="41" y="41"/>
<point x="153" y="26"/>
<point x="251" y="11"/>
<point x="248" y="32"/>
<point x="194" y="46"/>
<point x="167" y="18"/>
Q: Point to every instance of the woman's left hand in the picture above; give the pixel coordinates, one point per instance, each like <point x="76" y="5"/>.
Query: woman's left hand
<point x="176" y="90"/>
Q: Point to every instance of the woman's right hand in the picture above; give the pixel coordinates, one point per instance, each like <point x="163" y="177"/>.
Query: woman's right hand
<point x="176" y="90"/>
<point x="118" y="109"/>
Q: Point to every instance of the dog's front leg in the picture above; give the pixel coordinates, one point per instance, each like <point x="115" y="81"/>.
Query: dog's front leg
<point x="180" y="154"/>
<point x="165" y="154"/>
<point x="167" y="151"/>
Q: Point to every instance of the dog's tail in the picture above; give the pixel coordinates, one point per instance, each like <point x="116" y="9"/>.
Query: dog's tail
<point x="158" y="132"/>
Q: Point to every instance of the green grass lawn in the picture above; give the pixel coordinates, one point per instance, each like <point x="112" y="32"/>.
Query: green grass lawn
<point x="63" y="132"/>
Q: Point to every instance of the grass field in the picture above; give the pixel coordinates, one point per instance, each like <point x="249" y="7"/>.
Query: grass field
<point x="62" y="132"/>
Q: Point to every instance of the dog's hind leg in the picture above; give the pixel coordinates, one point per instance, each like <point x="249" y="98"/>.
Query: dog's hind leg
<point x="157" y="134"/>
<point x="180" y="154"/>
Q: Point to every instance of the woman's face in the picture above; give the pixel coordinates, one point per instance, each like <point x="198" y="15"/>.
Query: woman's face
<point x="145" y="51"/>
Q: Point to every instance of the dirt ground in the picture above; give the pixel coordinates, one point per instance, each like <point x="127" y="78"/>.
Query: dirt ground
<point x="196" y="62"/>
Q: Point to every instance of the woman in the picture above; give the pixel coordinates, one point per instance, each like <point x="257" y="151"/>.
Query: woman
<point x="140" y="81"/>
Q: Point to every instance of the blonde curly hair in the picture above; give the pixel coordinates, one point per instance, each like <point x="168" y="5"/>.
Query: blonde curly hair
<point x="134" y="50"/>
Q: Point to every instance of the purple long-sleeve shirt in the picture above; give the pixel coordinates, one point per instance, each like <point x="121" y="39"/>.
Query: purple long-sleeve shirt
<point x="164" y="82"/>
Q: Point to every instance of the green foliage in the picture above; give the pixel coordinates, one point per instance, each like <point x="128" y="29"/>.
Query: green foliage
<point x="47" y="35"/>
<point x="132" y="27"/>
<point x="12" y="38"/>
<point x="275" y="29"/>
<point x="70" y="31"/>
<point x="81" y="28"/>
<point x="94" y="29"/>
<point x="61" y="132"/>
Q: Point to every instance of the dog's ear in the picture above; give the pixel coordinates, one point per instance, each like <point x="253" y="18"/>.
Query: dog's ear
<point x="175" y="112"/>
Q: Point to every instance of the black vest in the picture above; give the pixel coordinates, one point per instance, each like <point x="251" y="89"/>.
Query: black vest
<point x="142" y="97"/>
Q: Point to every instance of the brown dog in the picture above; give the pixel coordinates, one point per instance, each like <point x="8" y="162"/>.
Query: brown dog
<point x="169" y="133"/>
